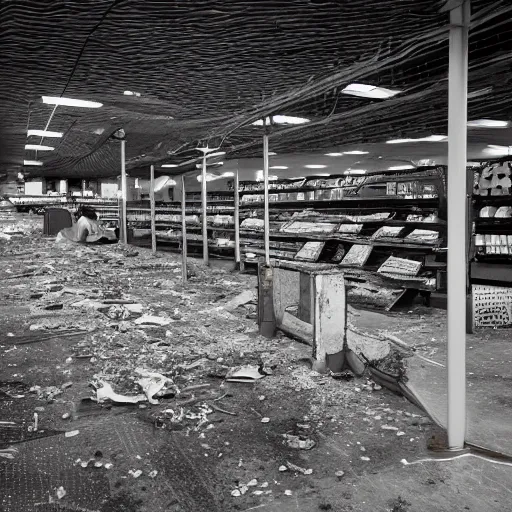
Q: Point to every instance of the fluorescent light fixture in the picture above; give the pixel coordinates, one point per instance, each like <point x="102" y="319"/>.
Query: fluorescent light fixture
<point x="278" y="167"/>
<point x="430" y="138"/>
<point x="209" y="177"/>
<point x="289" y="120"/>
<point x="218" y="153"/>
<point x="32" y="162"/>
<point x="355" y="171"/>
<point x="70" y="102"/>
<point x="38" y="147"/>
<point x="213" y="177"/>
<point x="272" y="154"/>
<point x="131" y="93"/>
<point x="44" y="133"/>
<point x="488" y="123"/>
<point x="401" y="167"/>
<point x="315" y="166"/>
<point x="333" y="154"/>
<point x="207" y="149"/>
<point x="369" y="91"/>
<point x="280" y="119"/>
<point x="321" y="174"/>
<point x="170" y="165"/>
<point x="494" y="150"/>
<point x="355" y="152"/>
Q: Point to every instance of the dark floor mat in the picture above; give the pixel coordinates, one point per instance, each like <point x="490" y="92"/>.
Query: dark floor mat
<point x="39" y="468"/>
<point x="19" y="433"/>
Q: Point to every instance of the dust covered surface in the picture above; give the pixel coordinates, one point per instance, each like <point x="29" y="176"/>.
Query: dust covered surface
<point x="70" y="318"/>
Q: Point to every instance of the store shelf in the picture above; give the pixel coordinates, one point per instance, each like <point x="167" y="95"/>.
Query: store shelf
<point x="481" y="201"/>
<point x="398" y="243"/>
<point x="491" y="272"/>
<point x="387" y="203"/>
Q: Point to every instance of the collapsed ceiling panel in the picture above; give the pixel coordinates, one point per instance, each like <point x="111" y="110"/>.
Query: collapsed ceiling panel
<point x="173" y="74"/>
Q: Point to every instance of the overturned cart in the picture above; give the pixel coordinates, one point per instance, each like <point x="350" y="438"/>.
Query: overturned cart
<point x="308" y="302"/>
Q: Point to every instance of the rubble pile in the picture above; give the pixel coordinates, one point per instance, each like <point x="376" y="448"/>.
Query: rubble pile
<point x="188" y="360"/>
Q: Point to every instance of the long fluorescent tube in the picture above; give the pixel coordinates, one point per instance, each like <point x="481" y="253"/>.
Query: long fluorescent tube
<point x="228" y="174"/>
<point x="430" y="138"/>
<point x="333" y="154"/>
<point x="70" y="102"/>
<point x="355" y="152"/>
<point x="38" y="147"/>
<point x="488" y="123"/>
<point x="32" y="162"/>
<point x="492" y="149"/>
<point x="369" y="91"/>
<point x="44" y="133"/>
<point x="355" y="171"/>
<point x="315" y="166"/>
<point x="218" y="153"/>
<point x="278" y="167"/>
<point x="170" y="165"/>
<point x="280" y="119"/>
<point x="401" y="167"/>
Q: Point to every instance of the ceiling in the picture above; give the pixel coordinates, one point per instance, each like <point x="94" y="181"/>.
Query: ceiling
<point x="205" y="70"/>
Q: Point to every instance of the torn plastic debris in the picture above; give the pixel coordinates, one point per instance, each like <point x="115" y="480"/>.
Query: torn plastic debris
<point x="104" y="392"/>
<point x="244" y="374"/>
<point x="153" y="320"/>
<point x="298" y="469"/>
<point x="8" y="453"/>
<point x="152" y="383"/>
<point x="299" y="442"/>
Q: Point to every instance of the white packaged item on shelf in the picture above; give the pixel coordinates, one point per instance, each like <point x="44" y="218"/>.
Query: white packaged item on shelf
<point x="423" y="235"/>
<point x="256" y="224"/>
<point x="388" y="231"/>
<point x="400" y="266"/>
<point x="479" y="240"/>
<point x="223" y="220"/>
<point x="307" y="227"/>
<point x="503" y="212"/>
<point x="350" y="228"/>
<point x="488" y="211"/>
<point x="431" y="218"/>
<point x="371" y="216"/>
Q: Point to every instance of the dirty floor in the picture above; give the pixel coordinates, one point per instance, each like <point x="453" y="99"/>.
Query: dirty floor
<point x="70" y="320"/>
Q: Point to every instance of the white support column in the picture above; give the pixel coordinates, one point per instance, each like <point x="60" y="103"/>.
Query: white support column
<point x="237" y="218"/>
<point x="124" y="195"/>
<point x="266" y="217"/>
<point x="204" y="204"/>
<point x="457" y="223"/>
<point x="152" y="206"/>
<point x="183" y="232"/>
